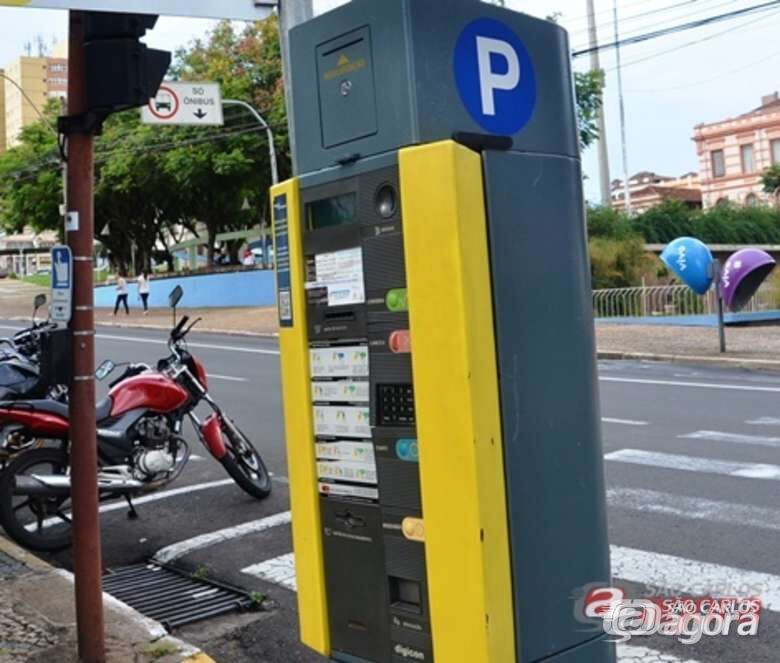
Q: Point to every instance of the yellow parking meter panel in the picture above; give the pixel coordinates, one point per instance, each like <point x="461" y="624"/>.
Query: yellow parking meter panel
<point x="458" y="414"/>
<point x="298" y="413"/>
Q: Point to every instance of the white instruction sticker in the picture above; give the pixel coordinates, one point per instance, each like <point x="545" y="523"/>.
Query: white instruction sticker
<point x="346" y="471"/>
<point x="341" y="273"/>
<point x="340" y="391"/>
<point x="338" y="421"/>
<point x="360" y="452"/>
<point x="339" y="362"/>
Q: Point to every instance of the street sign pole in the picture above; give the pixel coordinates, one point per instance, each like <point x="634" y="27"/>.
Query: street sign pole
<point x="87" y="562"/>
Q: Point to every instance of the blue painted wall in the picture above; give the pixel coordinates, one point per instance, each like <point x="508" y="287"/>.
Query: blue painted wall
<point x="237" y="289"/>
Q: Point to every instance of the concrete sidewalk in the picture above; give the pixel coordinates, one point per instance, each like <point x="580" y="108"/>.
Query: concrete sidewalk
<point x="38" y="623"/>
<point x="16" y="304"/>
<point x="748" y="347"/>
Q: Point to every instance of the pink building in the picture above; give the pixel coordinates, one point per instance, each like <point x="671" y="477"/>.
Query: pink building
<point x="734" y="153"/>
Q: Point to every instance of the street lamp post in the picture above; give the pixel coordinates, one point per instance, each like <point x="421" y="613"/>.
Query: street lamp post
<point x="261" y="121"/>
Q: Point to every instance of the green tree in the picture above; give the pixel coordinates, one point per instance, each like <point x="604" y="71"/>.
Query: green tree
<point x="215" y="178"/>
<point x="589" y="88"/>
<point x="771" y="179"/>
<point x="31" y="179"/>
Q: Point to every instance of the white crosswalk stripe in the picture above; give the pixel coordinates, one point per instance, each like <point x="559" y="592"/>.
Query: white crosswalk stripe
<point x="280" y="571"/>
<point x="719" y="436"/>
<point x="634" y="654"/>
<point x="764" y="421"/>
<point x="693" y="576"/>
<point x="695" y="464"/>
<point x="693" y="508"/>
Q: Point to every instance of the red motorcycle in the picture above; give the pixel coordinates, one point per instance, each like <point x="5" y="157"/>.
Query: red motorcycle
<point x="140" y="445"/>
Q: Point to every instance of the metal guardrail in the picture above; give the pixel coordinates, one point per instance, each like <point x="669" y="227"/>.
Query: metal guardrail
<point x="672" y="300"/>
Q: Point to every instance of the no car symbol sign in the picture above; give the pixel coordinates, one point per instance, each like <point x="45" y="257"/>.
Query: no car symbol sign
<point x="165" y="105"/>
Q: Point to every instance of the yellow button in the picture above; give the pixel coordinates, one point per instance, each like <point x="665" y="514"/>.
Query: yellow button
<point x="413" y="529"/>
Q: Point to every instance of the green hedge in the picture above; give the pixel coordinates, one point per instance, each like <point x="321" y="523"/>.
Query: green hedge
<point x="726" y="224"/>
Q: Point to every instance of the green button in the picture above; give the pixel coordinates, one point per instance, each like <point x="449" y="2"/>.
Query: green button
<point x="397" y="301"/>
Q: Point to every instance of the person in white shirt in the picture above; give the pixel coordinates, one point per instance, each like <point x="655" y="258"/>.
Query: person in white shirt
<point x="121" y="295"/>
<point x="143" y="291"/>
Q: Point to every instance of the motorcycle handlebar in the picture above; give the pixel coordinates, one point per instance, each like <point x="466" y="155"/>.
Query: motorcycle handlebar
<point x="176" y="333"/>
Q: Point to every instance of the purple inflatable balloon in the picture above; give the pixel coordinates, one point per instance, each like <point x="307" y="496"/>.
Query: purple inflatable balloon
<point x="742" y="275"/>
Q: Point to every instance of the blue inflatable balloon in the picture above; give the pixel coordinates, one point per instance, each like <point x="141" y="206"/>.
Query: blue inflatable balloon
<point x="691" y="261"/>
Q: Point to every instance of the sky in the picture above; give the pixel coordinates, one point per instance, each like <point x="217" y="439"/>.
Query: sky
<point x="671" y="90"/>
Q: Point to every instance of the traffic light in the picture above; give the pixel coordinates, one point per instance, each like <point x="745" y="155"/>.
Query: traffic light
<point x="121" y="72"/>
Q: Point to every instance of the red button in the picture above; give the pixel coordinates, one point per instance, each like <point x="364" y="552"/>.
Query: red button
<point x="400" y="342"/>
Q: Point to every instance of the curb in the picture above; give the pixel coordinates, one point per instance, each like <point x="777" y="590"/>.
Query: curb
<point x="722" y="362"/>
<point x="199" y="330"/>
<point x="155" y="631"/>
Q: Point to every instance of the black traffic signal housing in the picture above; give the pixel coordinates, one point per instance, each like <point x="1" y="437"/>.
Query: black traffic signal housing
<point x="121" y="72"/>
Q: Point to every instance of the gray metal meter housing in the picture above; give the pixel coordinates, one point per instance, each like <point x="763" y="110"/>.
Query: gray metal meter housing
<point x="368" y="78"/>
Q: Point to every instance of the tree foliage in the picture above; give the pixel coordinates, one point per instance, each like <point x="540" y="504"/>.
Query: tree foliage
<point x="724" y="224"/>
<point x="151" y="181"/>
<point x="771" y="179"/>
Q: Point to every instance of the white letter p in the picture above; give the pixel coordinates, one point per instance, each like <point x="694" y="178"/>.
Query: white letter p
<point x="489" y="80"/>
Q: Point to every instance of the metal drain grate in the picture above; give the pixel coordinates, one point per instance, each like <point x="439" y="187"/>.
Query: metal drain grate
<point x="171" y="597"/>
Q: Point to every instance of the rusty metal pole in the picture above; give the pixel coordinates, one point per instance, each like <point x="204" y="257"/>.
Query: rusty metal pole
<point x="86" y="525"/>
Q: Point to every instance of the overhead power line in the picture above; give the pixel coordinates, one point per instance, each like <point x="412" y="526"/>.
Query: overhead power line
<point x="695" y="42"/>
<point x="668" y="21"/>
<point x="711" y="20"/>
<point x="703" y="5"/>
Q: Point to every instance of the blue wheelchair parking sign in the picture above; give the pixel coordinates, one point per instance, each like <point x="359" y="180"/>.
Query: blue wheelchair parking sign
<point x="495" y="77"/>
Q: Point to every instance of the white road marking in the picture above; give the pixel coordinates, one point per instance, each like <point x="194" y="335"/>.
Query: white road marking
<point x="694" y="508"/>
<point x="633" y="654"/>
<point x="204" y="346"/>
<point x="694" y="385"/>
<point x="226" y="378"/>
<point x="624" y="422"/>
<point x="176" y="550"/>
<point x="695" y="464"/>
<point x="718" y="436"/>
<point x="764" y="421"/>
<point x="280" y="571"/>
<point x="156" y="341"/>
<point x="694" y="577"/>
<point x="146" y="499"/>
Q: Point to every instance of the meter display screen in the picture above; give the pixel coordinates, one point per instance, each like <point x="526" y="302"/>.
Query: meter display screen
<point x="330" y="212"/>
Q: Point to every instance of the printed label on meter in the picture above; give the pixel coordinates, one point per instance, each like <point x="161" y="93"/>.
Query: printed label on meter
<point x="342" y="421"/>
<point x="339" y="362"/>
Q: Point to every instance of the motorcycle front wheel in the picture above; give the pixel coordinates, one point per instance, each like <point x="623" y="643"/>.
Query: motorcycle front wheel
<point x="244" y="464"/>
<point x="36" y="522"/>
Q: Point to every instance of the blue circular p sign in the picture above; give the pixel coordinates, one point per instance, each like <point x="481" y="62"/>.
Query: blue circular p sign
<point x="495" y="77"/>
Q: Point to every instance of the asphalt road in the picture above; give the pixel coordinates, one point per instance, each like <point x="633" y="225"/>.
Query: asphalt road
<point x="693" y="479"/>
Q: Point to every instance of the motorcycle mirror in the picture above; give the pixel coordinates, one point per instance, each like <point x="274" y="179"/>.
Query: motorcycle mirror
<point x="38" y="302"/>
<point x="105" y="369"/>
<point x="175" y="297"/>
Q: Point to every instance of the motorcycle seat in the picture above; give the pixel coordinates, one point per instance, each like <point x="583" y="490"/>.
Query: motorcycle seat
<point x="102" y="409"/>
<point x="48" y="406"/>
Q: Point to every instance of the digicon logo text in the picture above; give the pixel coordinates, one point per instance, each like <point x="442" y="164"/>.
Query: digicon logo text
<point x="407" y="652"/>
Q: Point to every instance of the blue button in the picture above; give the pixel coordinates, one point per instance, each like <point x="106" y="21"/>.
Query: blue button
<point x="406" y="449"/>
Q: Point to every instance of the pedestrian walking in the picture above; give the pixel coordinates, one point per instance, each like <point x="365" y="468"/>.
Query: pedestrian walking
<point x="143" y="291"/>
<point x="121" y="295"/>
